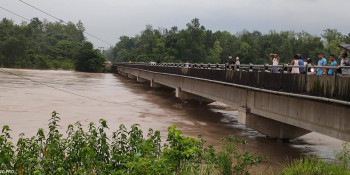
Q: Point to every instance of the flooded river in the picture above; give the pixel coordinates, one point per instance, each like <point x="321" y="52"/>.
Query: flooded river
<point x="27" y="97"/>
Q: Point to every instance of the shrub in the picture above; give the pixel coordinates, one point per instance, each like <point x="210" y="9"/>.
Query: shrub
<point x="315" y="166"/>
<point x="126" y="152"/>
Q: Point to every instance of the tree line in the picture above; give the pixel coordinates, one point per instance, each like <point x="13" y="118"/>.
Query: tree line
<point x="47" y="45"/>
<point x="196" y="44"/>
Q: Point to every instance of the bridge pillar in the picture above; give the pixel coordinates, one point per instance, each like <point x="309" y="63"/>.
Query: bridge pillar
<point x="131" y="76"/>
<point x="271" y="128"/>
<point x="141" y="80"/>
<point x="188" y="96"/>
<point x="155" y="85"/>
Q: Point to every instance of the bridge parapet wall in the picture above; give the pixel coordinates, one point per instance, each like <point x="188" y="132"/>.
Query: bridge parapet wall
<point x="323" y="86"/>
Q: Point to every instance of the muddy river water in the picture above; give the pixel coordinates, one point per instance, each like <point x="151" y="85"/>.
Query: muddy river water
<point x="27" y="97"/>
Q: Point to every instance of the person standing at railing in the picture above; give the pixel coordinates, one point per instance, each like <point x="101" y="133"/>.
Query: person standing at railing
<point x="295" y="62"/>
<point x="345" y="61"/>
<point x="310" y="70"/>
<point x="237" y="61"/>
<point x="333" y="64"/>
<point x="301" y="63"/>
<point x="275" y="61"/>
<point x="230" y="61"/>
<point x="321" y="62"/>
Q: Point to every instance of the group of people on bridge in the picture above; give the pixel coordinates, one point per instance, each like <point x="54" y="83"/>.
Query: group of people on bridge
<point x="301" y="66"/>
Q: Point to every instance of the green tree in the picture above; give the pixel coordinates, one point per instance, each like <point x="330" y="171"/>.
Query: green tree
<point x="88" y="59"/>
<point x="197" y="44"/>
<point x="245" y="53"/>
<point x="214" y="53"/>
<point x="332" y="34"/>
<point x="333" y="47"/>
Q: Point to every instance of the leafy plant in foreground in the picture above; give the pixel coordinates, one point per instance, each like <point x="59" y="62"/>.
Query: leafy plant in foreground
<point x="126" y="152"/>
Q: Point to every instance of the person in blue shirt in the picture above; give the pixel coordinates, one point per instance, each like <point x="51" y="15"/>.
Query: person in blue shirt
<point x="321" y="62"/>
<point x="301" y="63"/>
<point x="333" y="63"/>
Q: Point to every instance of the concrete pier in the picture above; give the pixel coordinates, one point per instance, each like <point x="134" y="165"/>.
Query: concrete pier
<point x="269" y="127"/>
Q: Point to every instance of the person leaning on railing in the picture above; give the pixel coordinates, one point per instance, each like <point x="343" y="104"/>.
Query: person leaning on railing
<point x="231" y="62"/>
<point x="295" y="63"/>
<point x="237" y="63"/>
<point x="345" y="61"/>
<point x="333" y="64"/>
<point x="308" y="63"/>
<point x="301" y="63"/>
<point x="321" y="62"/>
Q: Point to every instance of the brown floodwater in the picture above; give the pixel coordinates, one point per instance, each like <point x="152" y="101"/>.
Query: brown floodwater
<point x="28" y="98"/>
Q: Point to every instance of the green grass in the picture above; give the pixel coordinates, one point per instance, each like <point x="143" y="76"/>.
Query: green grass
<point x="316" y="166"/>
<point x="313" y="166"/>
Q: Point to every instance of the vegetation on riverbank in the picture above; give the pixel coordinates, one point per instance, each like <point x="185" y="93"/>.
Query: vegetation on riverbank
<point x="126" y="152"/>
<point x="134" y="152"/>
<point x="316" y="166"/>
<point x="47" y="45"/>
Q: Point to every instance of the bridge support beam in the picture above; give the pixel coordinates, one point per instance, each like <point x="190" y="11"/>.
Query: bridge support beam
<point x="188" y="96"/>
<point x="141" y="80"/>
<point x="131" y="76"/>
<point x="271" y="128"/>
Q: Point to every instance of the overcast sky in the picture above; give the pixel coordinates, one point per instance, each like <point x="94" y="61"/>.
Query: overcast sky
<point x="110" y="19"/>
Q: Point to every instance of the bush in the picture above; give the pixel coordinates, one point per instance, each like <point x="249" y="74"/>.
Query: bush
<point x="126" y="152"/>
<point x="315" y="166"/>
<point x="67" y="64"/>
<point x="88" y="59"/>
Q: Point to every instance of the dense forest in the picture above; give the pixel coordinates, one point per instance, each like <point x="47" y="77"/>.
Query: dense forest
<point x="47" y="45"/>
<point x="54" y="45"/>
<point x="196" y="44"/>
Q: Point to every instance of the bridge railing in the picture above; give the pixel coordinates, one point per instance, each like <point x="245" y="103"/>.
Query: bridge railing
<point x="243" y="67"/>
<point x="259" y="76"/>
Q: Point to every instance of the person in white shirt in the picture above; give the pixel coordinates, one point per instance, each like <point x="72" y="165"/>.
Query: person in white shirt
<point x="295" y="62"/>
<point x="237" y="61"/>
<point x="345" y="61"/>
<point x="275" y="60"/>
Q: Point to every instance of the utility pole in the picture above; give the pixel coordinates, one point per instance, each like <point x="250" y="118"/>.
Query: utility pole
<point x="101" y="49"/>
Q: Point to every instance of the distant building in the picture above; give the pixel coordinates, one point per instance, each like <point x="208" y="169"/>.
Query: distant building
<point x="108" y="65"/>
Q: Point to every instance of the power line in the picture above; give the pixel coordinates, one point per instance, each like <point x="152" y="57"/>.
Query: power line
<point x="41" y="11"/>
<point x="15" y="13"/>
<point x="60" y="20"/>
<point x="98" y="38"/>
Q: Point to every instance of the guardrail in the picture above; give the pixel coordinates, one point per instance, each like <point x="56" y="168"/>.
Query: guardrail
<point x="259" y="76"/>
<point x="243" y="67"/>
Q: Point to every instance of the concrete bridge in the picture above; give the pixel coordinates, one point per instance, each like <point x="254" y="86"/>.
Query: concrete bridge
<point x="283" y="106"/>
